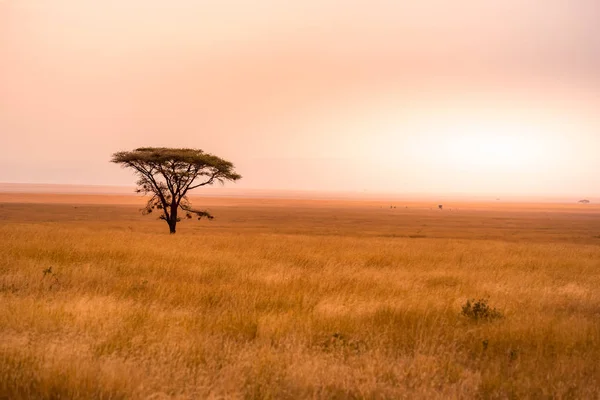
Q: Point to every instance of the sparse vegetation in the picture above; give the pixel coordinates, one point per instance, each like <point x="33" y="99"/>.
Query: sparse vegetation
<point x="300" y="300"/>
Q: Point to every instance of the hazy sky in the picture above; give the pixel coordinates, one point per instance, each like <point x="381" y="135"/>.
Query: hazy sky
<point x="462" y="96"/>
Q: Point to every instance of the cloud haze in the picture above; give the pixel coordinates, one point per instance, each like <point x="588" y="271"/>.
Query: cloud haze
<point x="463" y="96"/>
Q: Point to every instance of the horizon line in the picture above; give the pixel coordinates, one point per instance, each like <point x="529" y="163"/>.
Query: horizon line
<point x="96" y="189"/>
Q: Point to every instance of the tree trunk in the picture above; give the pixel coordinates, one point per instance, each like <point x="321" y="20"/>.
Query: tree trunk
<point x="173" y="221"/>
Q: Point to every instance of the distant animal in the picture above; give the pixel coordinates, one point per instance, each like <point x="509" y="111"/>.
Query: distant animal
<point x="441" y="206"/>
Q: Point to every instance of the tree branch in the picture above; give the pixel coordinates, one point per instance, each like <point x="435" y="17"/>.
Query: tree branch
<point x="186" y="207"/>
<point x="158" y="190"/>
<point x="208" y="182"/>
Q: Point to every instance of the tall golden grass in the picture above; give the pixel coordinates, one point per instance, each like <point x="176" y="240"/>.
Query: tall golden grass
<point x="297" y="299"/>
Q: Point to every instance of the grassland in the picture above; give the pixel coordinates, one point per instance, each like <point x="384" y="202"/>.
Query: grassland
<point x="288" y="299"/>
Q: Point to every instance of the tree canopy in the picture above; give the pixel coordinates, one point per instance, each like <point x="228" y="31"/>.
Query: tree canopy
<point x="168" y="174"/>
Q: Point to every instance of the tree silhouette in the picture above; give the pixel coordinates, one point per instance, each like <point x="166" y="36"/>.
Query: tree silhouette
<point x="168" y="174"/>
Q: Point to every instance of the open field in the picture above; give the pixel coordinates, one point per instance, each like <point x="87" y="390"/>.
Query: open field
<point x="292" y="299"/>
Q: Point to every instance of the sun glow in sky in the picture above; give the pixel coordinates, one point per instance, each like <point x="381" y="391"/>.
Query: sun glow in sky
<point x="497" y="146"/>
<point x="491" y="150"/>
<point x="384" y="96"/>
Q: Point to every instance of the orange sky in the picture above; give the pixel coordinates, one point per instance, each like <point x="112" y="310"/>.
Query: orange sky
<point x="466" y="96"/>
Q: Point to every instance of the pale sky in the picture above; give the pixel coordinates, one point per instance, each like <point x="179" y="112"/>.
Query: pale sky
<point x="434" y="96"/>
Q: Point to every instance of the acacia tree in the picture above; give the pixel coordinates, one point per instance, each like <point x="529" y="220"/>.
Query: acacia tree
<point x="169" y="174"/>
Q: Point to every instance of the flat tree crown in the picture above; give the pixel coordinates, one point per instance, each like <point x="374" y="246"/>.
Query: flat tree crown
<point x="178" y="158"/>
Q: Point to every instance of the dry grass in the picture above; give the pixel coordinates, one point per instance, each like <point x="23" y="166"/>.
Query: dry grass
<point x="298" y="299"/>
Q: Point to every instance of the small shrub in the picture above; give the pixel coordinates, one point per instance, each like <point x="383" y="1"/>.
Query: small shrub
<point x="480" y="310"/>
<point x="53" y="277"/>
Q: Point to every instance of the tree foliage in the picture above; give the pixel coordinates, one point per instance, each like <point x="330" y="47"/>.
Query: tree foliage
<point x="168" y="174"/>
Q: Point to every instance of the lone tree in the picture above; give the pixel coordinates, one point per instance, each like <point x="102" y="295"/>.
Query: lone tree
<point x="169" y="174"/>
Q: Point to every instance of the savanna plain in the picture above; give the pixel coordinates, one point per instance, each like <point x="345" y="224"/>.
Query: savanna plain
<point x="290" y="299"/>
